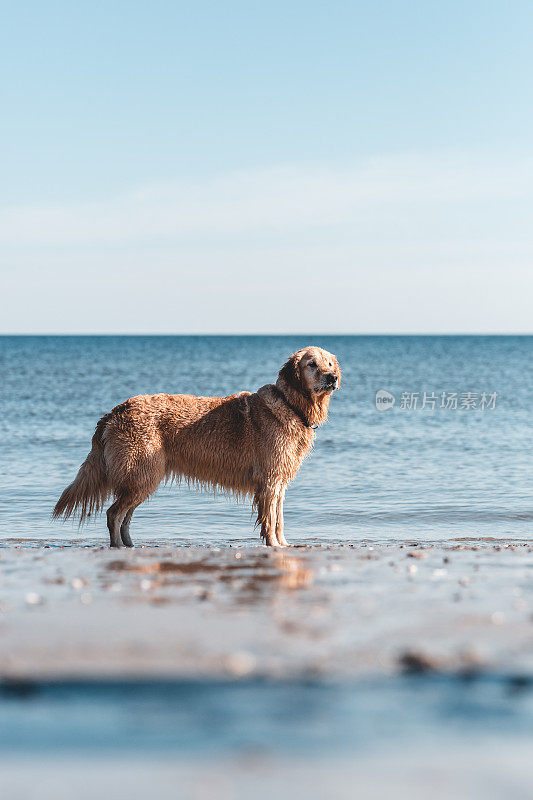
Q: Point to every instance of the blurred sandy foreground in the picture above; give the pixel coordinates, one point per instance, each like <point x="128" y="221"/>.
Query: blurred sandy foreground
<point x="266" y="632"/>
<point x="491" y="772"/>
<point x="335" y="611"/>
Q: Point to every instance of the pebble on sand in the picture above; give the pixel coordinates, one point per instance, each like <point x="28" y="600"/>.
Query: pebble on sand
<point x="240" y="663"/>
<point x="33" y="599"/>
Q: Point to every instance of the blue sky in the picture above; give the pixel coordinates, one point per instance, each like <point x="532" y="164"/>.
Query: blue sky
<point x="254" y="167"/>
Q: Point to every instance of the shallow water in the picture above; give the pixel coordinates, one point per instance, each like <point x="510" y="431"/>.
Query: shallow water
<point x="435" y="474"/>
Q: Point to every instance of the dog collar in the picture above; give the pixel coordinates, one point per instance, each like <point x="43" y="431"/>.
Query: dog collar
<point x="303" y="419"/>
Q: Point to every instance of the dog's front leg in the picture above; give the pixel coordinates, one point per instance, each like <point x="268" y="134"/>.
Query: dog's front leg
<point x="279" y="520"/>
<point x="267" y="511"/>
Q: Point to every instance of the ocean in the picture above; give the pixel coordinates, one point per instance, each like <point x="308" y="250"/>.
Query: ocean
<point x="447" y="454"/>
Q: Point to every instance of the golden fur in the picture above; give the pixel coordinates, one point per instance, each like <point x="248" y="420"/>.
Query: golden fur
<point x="249" y="444"/>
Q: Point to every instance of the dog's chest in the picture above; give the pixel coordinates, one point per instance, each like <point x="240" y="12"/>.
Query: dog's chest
<point x="293" y="450"/>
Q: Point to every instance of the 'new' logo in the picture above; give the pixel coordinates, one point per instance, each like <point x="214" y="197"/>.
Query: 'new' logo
<point x="384" y="400"/>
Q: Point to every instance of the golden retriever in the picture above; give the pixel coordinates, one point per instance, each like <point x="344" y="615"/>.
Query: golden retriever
<point x="249" y="444"/>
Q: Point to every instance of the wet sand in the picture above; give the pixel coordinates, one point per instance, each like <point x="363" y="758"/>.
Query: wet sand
<point x="336" y="611"/>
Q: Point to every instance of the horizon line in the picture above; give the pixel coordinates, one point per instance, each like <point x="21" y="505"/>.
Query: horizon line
<point x="285" y="334"/>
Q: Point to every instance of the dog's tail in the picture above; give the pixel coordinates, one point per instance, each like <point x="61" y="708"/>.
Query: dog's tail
<point x="91" y="488"/>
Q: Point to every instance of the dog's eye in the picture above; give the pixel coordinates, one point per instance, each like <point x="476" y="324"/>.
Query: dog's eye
<point x="312" y="364"/>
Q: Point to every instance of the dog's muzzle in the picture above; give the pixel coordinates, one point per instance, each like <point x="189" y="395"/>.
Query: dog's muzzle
<point x="331" y="381"/>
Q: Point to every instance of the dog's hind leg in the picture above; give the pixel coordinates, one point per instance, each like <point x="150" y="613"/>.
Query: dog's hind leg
<point x="125" y="527"/>
<point x="116" y="514"/>
<point x="144" y="477"/>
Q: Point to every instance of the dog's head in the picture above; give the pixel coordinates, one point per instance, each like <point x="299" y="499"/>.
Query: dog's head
<point x="312" y="371"/>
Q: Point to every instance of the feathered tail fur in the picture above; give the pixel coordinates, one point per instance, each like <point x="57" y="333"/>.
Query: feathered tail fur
<point x="90" y="489"/>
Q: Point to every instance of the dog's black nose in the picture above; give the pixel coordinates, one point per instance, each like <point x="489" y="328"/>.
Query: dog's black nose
<point x="331" y="379"/>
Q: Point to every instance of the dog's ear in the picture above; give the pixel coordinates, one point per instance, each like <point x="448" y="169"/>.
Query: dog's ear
<point x="290" y="372"/>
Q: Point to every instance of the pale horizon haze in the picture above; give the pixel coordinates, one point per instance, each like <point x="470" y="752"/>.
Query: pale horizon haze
<point x="266" y="168"/>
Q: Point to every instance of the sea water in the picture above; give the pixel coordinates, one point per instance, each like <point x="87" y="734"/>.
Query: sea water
<point x="447" y="455"/>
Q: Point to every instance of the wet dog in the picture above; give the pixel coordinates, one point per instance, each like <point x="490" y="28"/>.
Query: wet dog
<point x="248" y="444"/>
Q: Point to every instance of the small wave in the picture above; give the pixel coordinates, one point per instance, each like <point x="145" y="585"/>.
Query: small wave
<point x="446" y="514"/>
